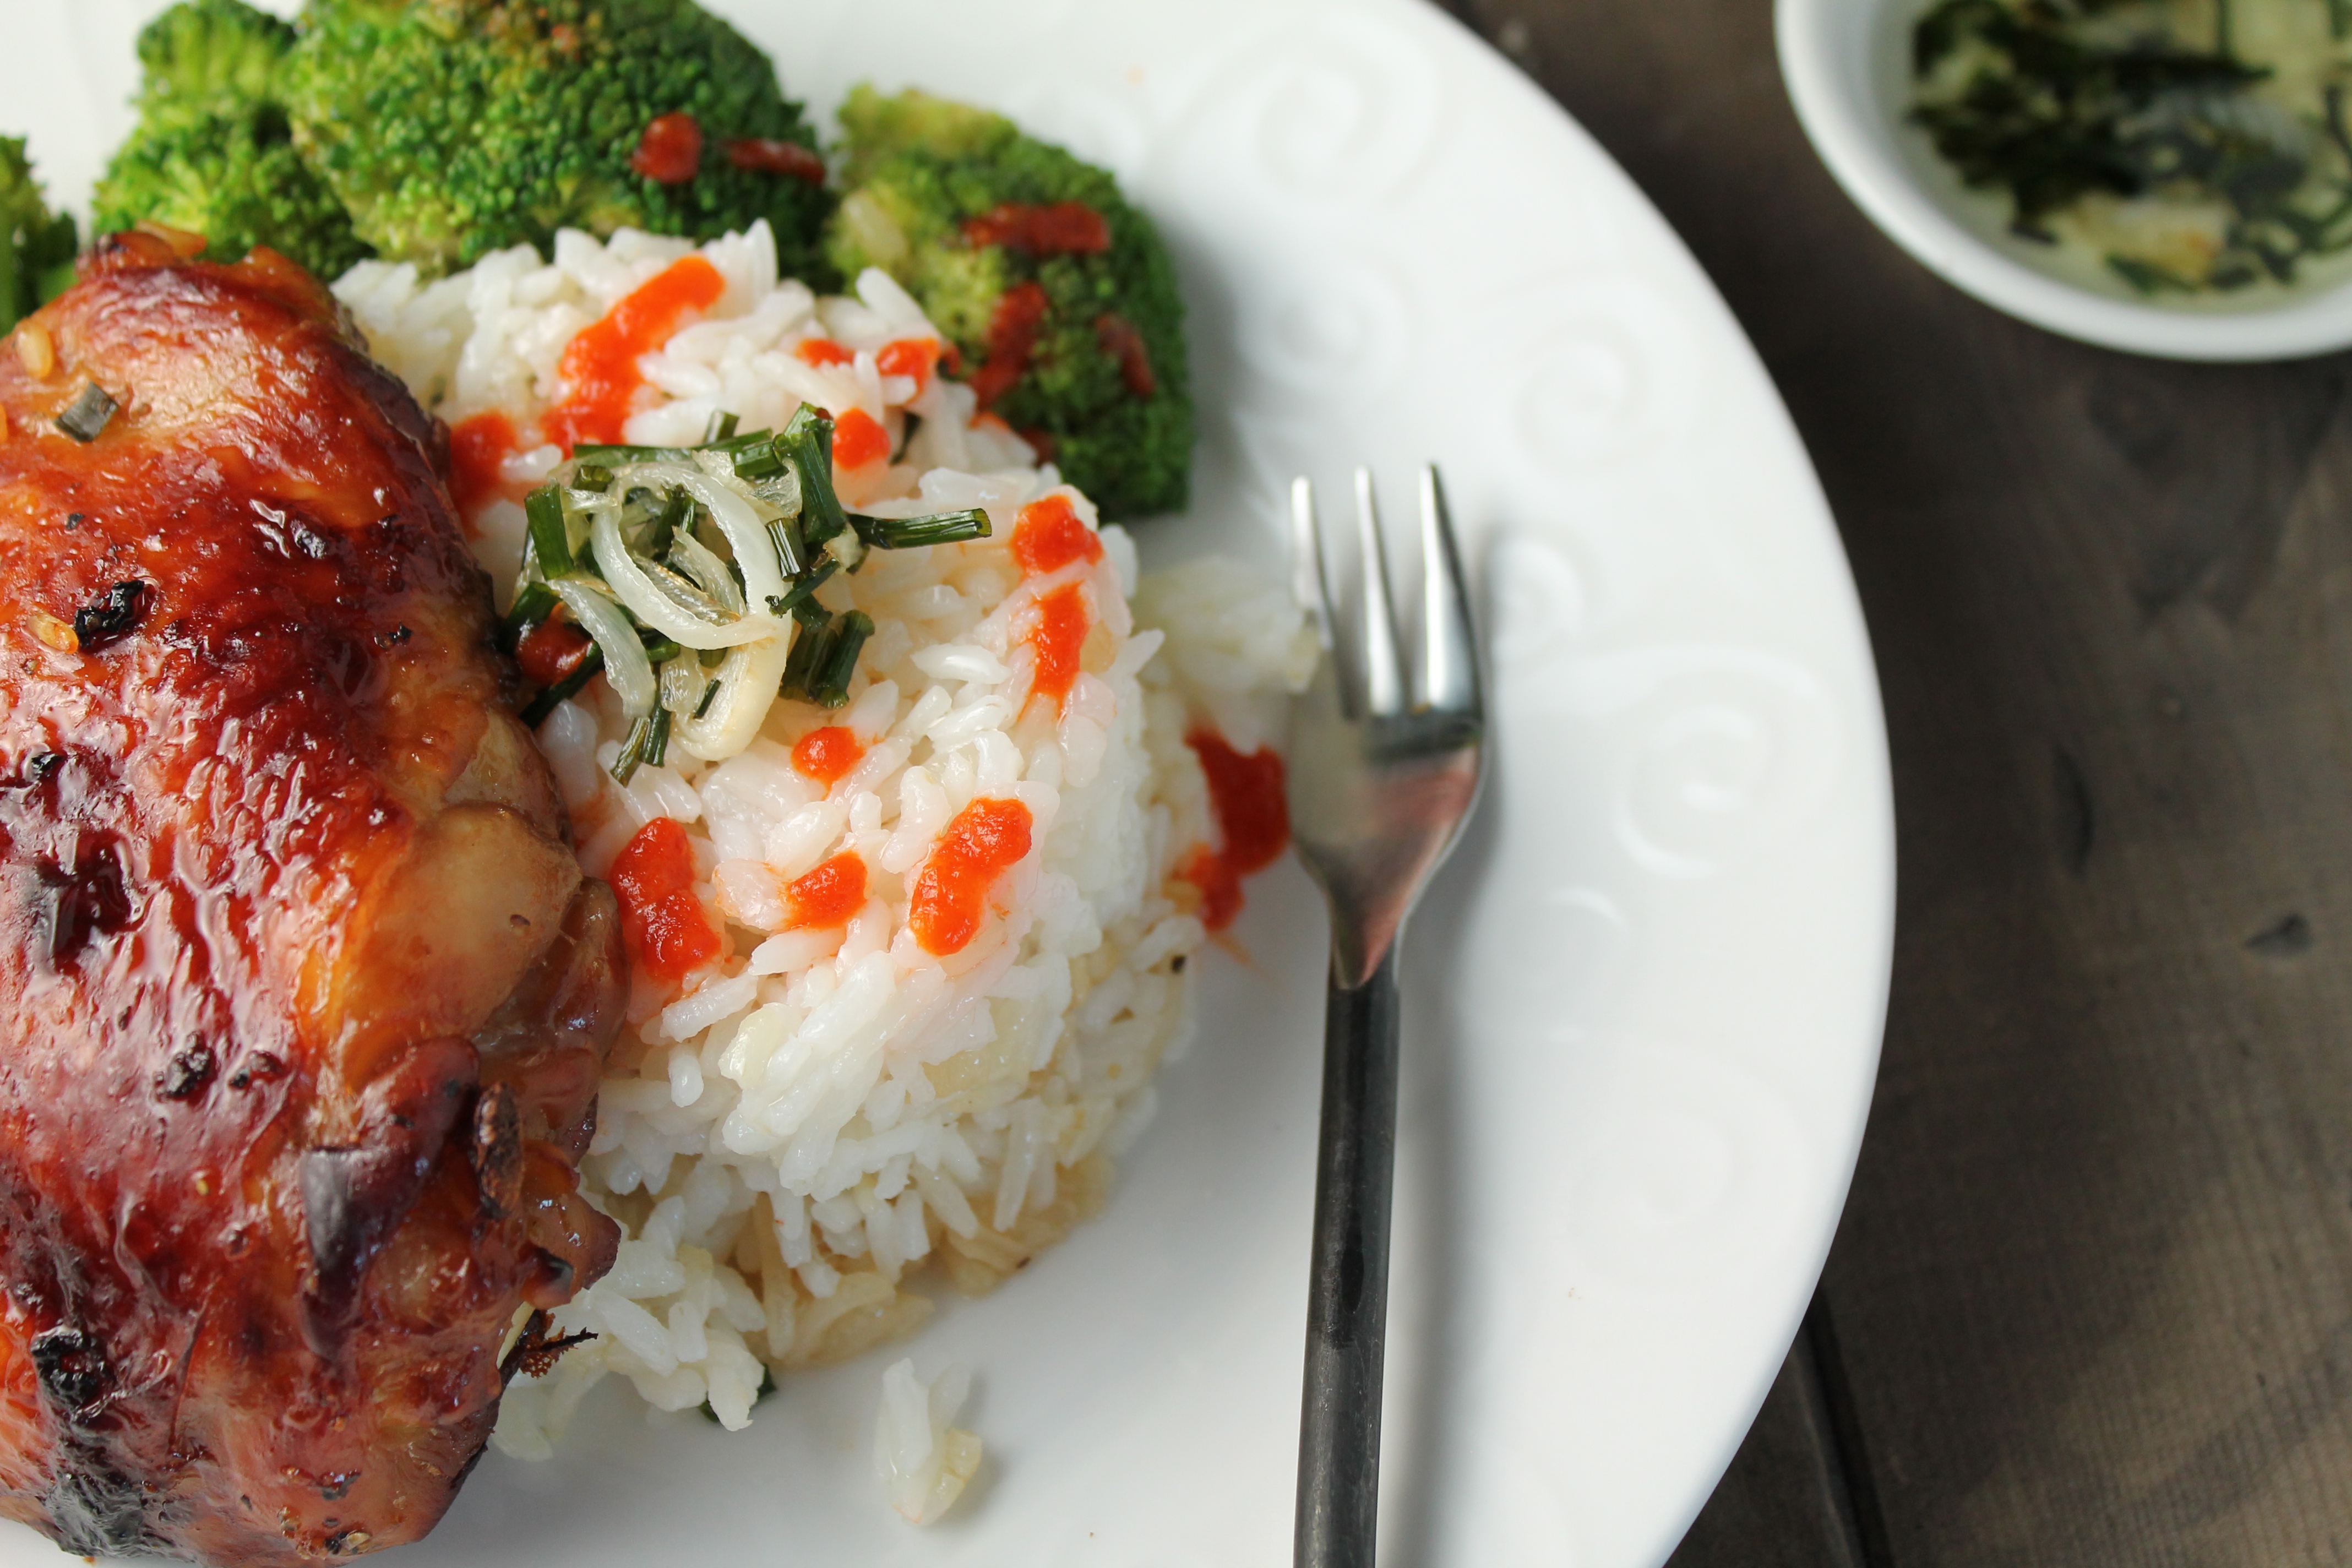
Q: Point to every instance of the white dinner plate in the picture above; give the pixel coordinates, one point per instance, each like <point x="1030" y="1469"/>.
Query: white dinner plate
<point x="1643" y="1004"/>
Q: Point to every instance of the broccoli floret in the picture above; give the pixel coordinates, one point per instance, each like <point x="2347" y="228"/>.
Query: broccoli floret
<point x="214" y="153"/>
<point x="236" y="180"/>
<point x="37" y="247"/>
<point x="451" y="128"/>
<point x="207" y="57"/>
<point x="967" y="213"/>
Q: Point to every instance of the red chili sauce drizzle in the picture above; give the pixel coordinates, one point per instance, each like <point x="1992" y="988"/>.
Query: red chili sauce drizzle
<point x="858" y="438"/>
<point x="986" y="840"/>
<point x="1011" y="339"/>
<point x="1050" y="536"/>
<point x="1253" y="813"/>
<point x="477" y="447"/>
<point x="827" y="754"/>
<point x="1056" y="228"/>
<point x="670" y="151"/>
<point x="1124" y="343"/>
<point x="765" y="155"/>
<point x="600" y="363"/>
<point x="653" y="875"/>
<point x="909" y="356"/>
<point x="828" y="896"/>
<point x="551" y="650"/>
<point x="1063" y="623"/>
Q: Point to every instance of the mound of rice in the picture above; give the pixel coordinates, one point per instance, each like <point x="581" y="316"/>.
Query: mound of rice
<point x="797" y="1135"/>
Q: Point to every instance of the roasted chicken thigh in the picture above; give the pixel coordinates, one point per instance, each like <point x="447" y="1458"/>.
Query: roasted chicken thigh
<point x="302" y="994"/>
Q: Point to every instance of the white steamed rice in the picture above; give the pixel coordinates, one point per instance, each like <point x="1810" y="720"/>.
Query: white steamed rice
<point x="799" y="1133"/>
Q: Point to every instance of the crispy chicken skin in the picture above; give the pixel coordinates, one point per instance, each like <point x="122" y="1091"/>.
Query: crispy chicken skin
<point x="302" y="994"/>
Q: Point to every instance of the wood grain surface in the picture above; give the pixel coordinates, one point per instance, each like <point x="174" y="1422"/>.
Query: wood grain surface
<point x="2091" y="1303"/>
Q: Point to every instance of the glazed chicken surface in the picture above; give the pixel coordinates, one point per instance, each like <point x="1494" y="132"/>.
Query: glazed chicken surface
<point x="302" y="994"/>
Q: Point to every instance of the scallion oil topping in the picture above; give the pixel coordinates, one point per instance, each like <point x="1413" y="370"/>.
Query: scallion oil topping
<point x="694" y="571"/>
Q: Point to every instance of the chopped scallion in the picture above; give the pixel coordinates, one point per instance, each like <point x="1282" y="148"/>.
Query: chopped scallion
<point x="655" y="546"/>
<point x="829" y="687"/>
<point x="87" y="413"/>
<point x="594" y="478"/>
<point x="764" y="461"/>
<point x="550" y="540"/>
<point x="647" y="745"/>
<point x="710" y="695"/>
<point x="807" y="441"/>
<point x="659" y="650"/>
<point x="812" y="651"/>
<point x="533" y="603"/>
<point x="915" y="532"/>
<point x="535" y="713"/>
<point x="721" y="427"/>
<point x="616" y="456"/>
<point x="804" y="591"/>
<point x="790" y="553"/>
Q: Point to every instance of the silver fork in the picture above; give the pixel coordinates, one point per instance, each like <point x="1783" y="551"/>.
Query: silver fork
<point x="1385" y="761"/>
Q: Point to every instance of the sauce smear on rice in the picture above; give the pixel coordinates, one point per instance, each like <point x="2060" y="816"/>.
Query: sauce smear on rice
<point x="828" y="895"/>
<point x="1060" y="639"/>
<point x="654" y="878"/>
<point x="986" y="840"/>
<point x="600" y="364"/>
<point x="1049" y="536"/>
<point x="827" y="754"/>
<point x="913" y="357"/>
<point x="859" y="439"/>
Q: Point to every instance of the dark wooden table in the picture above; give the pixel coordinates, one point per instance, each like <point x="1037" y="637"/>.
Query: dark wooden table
<point x="2091" y="1303"/>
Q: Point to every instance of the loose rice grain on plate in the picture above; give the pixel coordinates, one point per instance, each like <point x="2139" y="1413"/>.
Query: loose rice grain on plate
<point x="794" y="1134"/>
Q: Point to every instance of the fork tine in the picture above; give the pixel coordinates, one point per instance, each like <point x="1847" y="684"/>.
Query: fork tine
<point x="1449" y="658"/>
<point x="1385" y="692"/>
<point x="1309" y="583"/>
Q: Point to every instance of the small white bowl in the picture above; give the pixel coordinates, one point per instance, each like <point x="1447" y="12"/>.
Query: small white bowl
<point x="1845" y="62"/>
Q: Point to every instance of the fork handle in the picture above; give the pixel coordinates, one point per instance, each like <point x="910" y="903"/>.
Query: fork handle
<point x="1347" y="1295"/>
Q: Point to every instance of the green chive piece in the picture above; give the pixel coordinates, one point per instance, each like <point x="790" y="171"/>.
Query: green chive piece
<point x="655" y="546"/>
<point x="807" y="441"/>
<point x="533" y="603"/>
<point x="790" y="553"/>
<point x="633" y="750"/>
<point x="657" y="751"/>
<point x="88" y="413"/>
<point x="721" y="427"/>
<point x="536" y="712"/>
<point x="915" y="532"/>
<point x="710" y="695"/>
<point x="617" y="455"/>
<point x="647" y="745"/>
<point x="829" y="686"/>
<point x="710" y="658"/>
<point x="762" y="461"/>
<point x="594" y="478"/>
<point x="811" y="650"/>
<point x="550" y="540"/>
<point x="659" y="650"/>
<point x="804" y="591"/>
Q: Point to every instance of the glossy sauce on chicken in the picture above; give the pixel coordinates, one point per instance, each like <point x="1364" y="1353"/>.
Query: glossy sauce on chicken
<point x="302" y="995"/>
